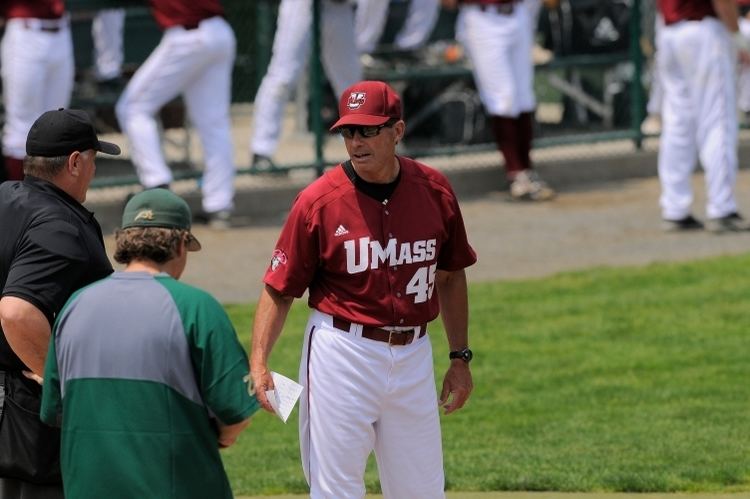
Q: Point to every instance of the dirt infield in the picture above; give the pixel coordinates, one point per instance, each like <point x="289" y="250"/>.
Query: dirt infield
<point x="609" y="223"/>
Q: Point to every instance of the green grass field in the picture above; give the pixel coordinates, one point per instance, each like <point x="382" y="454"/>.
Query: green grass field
<point x="608" y="380"/>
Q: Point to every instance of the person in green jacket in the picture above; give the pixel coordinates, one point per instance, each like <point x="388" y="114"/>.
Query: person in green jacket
<point x="145" y="372"/>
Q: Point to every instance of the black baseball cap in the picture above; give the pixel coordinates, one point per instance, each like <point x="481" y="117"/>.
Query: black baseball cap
<point x="61" y="132"/>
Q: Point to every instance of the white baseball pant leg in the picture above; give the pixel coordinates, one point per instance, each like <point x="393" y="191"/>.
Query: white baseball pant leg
<point x="107" y="34"/>
<point x="340" y="58"/>
<point x="499" y="47"/>
<point x="656" y="92"/>
<point x="421" y="17"/>
<point x="362" y="395"/>
<point x="38" y="72"/>
<point x="743" y="83"/>
<point x="291" y="48"/>
<point x="369" y="21"/>
<point x="196" y="63"/>
<point x="696" y="61"/>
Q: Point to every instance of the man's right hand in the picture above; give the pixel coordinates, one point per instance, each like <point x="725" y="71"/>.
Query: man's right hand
<point x="262" y="382"/>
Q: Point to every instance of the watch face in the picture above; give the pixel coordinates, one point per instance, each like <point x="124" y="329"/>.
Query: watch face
<point x="466" y="355"/>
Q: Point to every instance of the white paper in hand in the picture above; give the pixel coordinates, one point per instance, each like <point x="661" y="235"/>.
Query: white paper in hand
<point x="285" y="395"/>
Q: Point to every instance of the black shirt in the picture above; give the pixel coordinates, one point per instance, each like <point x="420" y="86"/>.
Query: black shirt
<point x="50" y="246"/>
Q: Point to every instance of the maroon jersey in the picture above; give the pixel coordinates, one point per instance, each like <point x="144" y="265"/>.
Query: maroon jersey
<point x="370" y="262"/>
<point x="41" y="9"/>
<point x="186" y="13"/>
<point x="685" y="10"/>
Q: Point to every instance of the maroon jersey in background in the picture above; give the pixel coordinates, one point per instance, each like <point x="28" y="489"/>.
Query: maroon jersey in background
<point x="685" y="10"/>
<point x="186" y="13"/>
<point x="41" y="9"/>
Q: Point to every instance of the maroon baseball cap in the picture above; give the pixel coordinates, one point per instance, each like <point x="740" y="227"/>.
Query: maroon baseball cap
<point x="368" y="103"/>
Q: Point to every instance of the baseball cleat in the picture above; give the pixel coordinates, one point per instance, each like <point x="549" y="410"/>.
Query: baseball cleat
<point x="683" y="224"/>
<point x="734" y="222"/>
<point x="527" y="186"/>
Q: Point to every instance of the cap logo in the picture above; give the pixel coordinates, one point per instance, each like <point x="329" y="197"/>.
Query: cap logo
<point x="356" y="100"/>
<point x="144" y="215"/>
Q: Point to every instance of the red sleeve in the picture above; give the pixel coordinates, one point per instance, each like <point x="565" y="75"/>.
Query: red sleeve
<point x="296" y="255"/>
<point x="456" y="253"/>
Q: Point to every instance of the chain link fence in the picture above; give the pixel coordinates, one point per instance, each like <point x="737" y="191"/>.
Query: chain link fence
<point x="589" y="83"/>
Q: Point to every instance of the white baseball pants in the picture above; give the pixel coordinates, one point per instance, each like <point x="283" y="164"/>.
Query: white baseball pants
<point x="699" y="119"/>
<point x="291" y="50"/>
<point x="499" y="47"/>
<point x="197" y="64"/>
<point x="107" y="34"/>
<point x="362" y="396"/>
<point x="37" y="72"/>
<point x="372" y="16"/>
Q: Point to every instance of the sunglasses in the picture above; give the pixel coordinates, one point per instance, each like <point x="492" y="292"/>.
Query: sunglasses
<point x="347" y="131"/>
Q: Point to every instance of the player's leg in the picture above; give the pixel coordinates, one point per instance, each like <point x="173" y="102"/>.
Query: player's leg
<point x="162" y="77"/>
<point x="340" y="57"/>
<point x="208" y="99"/>
<point x="60" y="73"/>
<point x="369" y="22"/>
<point x="344" y="378"/>
<point x="418" y="25"/>
<point x="107" y="34"/>
<point x="407" y="436"/>
<point x="677" y="150"/>
<point x="291" y="49"/>
<point x="717" y="127"/>
<point x="23" y="55"/>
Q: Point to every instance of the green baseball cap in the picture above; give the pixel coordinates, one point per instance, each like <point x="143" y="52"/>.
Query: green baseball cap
<point x="159" y="208"/>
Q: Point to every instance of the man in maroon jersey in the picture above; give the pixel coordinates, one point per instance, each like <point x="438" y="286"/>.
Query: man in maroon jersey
<point x="37" y="71"/>
<point x="379" y="242"/>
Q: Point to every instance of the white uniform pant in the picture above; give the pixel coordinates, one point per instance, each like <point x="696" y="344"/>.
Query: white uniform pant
<point x="499" y="47"/>
<point x="196" y="64"/>
<point x="291" y="50"/>
<point x="37" y="69"/>
<point x="361" y="396"/>
<point x="743" y="90"/>
<point x="696" y="65"/>
<point x="107" y="32"/>
<point x="372" y="16"/>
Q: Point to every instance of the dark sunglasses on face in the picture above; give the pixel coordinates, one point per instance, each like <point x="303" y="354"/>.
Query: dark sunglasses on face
<point x="347" y="131"/>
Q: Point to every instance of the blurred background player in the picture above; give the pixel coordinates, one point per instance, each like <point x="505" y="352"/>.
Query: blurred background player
<point x="107" y="34"/>
<point x="290" y="53"/>
<point x="194" y="59"/>
<point x="372" y="16"/>
<point x="36" y="54"/>
<point x="697" y="56"/>
<point x="498" y="41"/>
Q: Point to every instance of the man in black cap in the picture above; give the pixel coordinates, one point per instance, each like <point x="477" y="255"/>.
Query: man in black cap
<point x="50" y="247"/>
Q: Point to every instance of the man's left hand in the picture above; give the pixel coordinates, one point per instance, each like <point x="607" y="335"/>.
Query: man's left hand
<point x="457" y="386"/>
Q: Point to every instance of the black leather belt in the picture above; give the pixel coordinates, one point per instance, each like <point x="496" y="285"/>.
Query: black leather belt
<point x="399" y="338"/>
<point x="505" y="8"/>
<point x="40" y="25"/>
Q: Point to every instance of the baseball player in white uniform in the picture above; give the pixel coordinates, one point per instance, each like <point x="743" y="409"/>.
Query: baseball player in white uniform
<point x="37" y="68"/>
<point x="194" y="59"/>
<point x="697" y="60"/>
<point x="291" y="50"/>
<point x="498" y="39"/>
<point x="372" y="15"/>
<point x="380" y="244"/>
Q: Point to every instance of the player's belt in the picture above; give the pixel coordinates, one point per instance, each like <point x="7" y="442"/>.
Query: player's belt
<point x="400" y="338"/>
<point x="47" y="25"/>
<point x="505" y="8"/>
